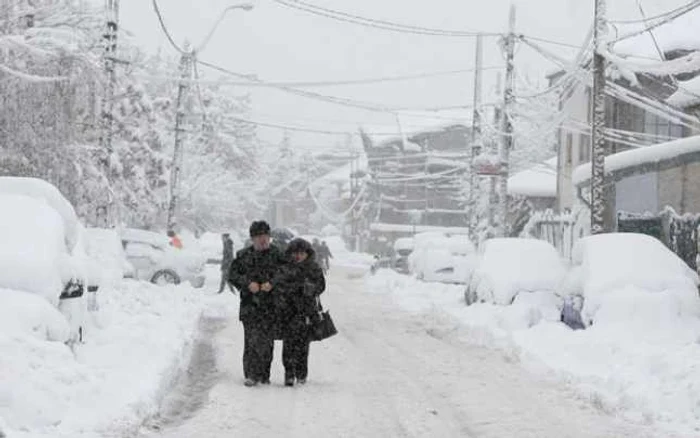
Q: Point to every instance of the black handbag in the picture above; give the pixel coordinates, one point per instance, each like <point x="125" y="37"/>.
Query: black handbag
<point x="322" y="325"/>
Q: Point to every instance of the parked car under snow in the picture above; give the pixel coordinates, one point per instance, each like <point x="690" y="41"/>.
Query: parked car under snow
<point x="517" y="270"/>
<point x="439" y="258"/>
<point x="628" y="278"/>
<point x="42" y="250"/>
<point x="156" y="261"/>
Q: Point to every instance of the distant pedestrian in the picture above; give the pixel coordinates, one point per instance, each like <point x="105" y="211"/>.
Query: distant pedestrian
<point x="301" y="284"/>
<point x="226" y="260"/>
<point x="253" y="272"/>
<point x="174" y="239"/>
<point x="326" y="255"/>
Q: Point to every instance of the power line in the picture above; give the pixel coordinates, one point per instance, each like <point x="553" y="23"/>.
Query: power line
<point x="376" y="23"/>
<point x="334" y="83"/>
<point x="368" y="106"/>
<point x="308" y="94"/>
<point x="655" y="17"/>
<point x="545" y="40"/>
<point x="165" y="28"/>
<point x="668" y="18"/>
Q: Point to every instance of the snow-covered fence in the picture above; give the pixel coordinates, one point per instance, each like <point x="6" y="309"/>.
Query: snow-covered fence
<point x="556" y="228"/>
<point x="678" y="232"/>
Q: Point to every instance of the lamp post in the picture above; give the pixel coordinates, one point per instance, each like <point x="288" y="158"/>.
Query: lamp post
<point x="188" y="58"/>
<point x="243" y="6"/>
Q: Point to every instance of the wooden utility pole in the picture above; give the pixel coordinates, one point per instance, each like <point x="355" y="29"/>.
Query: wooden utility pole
<point x="186" y="60"/>
<point x="597" y="138"/>
<point x="476" y="142"/>
<point x="109" y="39"/>
<point x="507" y="138"/>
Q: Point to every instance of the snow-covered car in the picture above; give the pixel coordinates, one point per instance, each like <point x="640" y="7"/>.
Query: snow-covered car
<point x="403" y="247"/>
<point x="518" y="270"/>
<point x="156" y="261"/>
<point x="442" y="266"/>
<point x="628" y="277"/>
<point x="42" y="249"/>
<point x="439" y="258"/>
<point x="106" y="257"/>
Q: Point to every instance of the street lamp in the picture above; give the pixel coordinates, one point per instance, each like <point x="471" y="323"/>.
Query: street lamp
<point x="243" y="6"/>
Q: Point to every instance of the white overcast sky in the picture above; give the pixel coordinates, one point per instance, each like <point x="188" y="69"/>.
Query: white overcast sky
<point x="280" y="44"/>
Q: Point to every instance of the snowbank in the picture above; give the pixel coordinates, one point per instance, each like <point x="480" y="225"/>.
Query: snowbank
<point x="645" y="372"/>
<point x="112" y="382"/>
<point x="343" y="256"/>
<point x="644" y="155"/>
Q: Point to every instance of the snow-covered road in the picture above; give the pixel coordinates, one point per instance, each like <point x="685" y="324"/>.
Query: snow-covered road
<point x="389" y="373"/>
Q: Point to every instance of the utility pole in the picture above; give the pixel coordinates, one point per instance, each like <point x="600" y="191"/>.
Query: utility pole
<point x="475" y="139"/>
<point x="109" y="58"/>
<point x="186" y="60"/>
<point x="507" y="143"/>
<point x="597" y="139"/>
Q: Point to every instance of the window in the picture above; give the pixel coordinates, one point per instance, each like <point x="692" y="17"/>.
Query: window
<point x="569" y="146"/>
<point x="584" y="148"/>
<point x="661" y="127"/>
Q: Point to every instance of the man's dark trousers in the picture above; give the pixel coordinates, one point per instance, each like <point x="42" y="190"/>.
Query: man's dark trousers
<point x="257" y="349"/>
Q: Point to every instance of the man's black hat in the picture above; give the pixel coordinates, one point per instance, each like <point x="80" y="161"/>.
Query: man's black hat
<point x="259" y="228"/>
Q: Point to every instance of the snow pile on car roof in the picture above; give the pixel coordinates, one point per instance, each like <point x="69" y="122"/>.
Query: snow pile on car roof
<point x="43" y="190"/>
<point x="508" y="266"/>
<point x="32" y="236"/>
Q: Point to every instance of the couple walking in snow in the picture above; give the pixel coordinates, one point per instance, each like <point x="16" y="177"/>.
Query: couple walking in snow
<point x="279" y="297"/>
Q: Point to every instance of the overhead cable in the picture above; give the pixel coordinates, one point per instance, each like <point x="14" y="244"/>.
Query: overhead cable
<point x="376" y="23"/>
<point x="655" y="17"/>
<point x="165" y="28"/>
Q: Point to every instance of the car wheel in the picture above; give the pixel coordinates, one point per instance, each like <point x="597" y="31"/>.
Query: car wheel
<point x="165" y="277"/>
<point x="470" y="297"/>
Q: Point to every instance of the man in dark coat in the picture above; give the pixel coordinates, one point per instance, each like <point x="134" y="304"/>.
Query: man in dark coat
<point x="253" y="273"/>
<point x="301" y="284"/>
<point x="226" y="260"/>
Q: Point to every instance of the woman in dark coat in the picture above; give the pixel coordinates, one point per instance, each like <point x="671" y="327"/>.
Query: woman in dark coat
<point x="301" y="284"/>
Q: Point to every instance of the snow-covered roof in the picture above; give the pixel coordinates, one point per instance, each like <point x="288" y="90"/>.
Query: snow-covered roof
<point x="341" y="175"/>
<point x="415" y="123"/>
<point x="688" y="94"/>
<point x="640" y="156"/>
<point x="539" y="181"/>
<point x="678" y="34"/>
<point x="402" y="228"/>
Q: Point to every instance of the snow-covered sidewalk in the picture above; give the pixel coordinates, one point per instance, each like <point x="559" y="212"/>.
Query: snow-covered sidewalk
<point x="648" y="371"/>
<point x="137" y="344"/>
